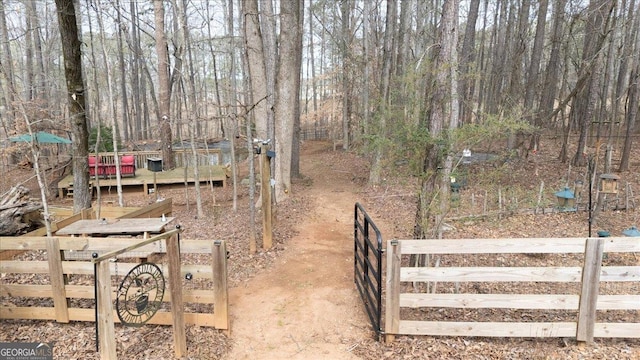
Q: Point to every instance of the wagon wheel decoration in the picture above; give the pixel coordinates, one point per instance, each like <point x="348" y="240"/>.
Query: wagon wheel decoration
<point x="140" y="294"/>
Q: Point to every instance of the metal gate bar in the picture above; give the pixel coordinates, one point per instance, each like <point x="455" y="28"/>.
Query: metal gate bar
<point x="368" y="266"/>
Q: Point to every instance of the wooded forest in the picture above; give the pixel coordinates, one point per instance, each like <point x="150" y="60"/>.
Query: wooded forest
<point x="411" y="78"/>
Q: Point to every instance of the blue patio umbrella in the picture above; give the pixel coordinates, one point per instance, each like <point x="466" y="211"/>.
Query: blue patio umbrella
<point x="42" y="137"/>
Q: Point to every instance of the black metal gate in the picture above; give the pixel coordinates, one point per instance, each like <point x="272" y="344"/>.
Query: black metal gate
<point x="368" y="265"/>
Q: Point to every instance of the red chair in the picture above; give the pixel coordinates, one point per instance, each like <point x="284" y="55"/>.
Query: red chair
<point x="128" y="165"/>
<point x="92" y="167"/>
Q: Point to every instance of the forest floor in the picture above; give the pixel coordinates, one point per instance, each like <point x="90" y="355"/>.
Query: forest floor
<point x="298" y="299"/>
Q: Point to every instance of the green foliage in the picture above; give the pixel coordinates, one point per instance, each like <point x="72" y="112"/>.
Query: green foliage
<point x="106" y="139"/>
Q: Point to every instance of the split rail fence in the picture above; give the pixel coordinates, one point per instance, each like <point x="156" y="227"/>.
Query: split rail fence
<point x="592" y="290"/>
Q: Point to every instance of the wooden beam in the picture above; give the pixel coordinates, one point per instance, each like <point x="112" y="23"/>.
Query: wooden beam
<point x="487" y="329"/>
<point x="392" y="307"/>
<point x="76" y="314"/>
<point x="265" y="188"/>
<point x="175" y="286"/>
<point x="590" y="289"/>
<point x="106" y="329"/>
<point x="491" y="274"/>
<point x="220" y="290"/>
<point x="154" y="210"/>
<point x="56" y="276"/>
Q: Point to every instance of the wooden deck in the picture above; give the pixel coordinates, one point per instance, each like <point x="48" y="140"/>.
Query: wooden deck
<point x="144" y="178"/>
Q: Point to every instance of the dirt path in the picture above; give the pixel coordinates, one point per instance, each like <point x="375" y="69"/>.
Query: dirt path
<point x="306" y="306"/>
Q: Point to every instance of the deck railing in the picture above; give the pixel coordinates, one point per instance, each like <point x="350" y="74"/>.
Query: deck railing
<point x="181" y="156"/>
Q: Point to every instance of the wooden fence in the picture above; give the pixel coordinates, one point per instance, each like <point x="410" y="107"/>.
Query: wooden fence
<point x="408" y="312"/>
<point x="53" y="284"/>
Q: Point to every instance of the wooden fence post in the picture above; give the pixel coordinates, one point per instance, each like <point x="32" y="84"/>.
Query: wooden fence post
<point x="177" y="304"/>
<point x="106" y="329"/>
<point x="265" y="186"/>
<point x="59" y="293"/>
<point x="220" y="294"/>
<point x="392" y="307"/>
<point x="590" y="288"/>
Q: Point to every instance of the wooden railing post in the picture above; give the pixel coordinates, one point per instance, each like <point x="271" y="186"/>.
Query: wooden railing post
<point x="106" y="329"/>
<point x="54" y="258"/>
<point x="177" y="304"/>
<point x="590" y="288"/>
<point x="392" y="307"/>
<point x="220" y="294"/>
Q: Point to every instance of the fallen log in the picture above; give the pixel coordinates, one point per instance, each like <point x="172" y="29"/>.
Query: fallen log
<point x="18" y="213"/>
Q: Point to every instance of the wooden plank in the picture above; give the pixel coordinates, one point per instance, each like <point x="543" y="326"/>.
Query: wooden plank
<point x="618" y="302"/>
<point x="98" y="244"/>
<point x="86" y="268"/>
<point x="106" y="329"/>
<point x="486" y="301"/>
<point x="590" y="288"/>
<point x="392" y="300"/>
<point x="265" y="192"/>
<point x="76" y="314"/>
<point x="154" y="210"/>
<point x="494" y="246"/>
<point x="617" y="330"/>
<point x="621" y="244"/>
<point x="620" y="273"/>
<point x="491" y="274"/>
<point x="134" y="246"/>
<point x="220" y="289"/>
<point x="116" y="226"/>
<point x="175" y="287"/>
<point x="86" y="292"/>
<point x="56" y="277"/>
<point x="487" y="329"/>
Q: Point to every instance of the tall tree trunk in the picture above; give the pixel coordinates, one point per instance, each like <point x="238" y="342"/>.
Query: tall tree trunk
<point x="270" y="55"/>
<point x="164" y="87"/>
<point x="123" y="72"/>
<point x="467" y="59"/>
<point x="38" y="70"/>
<point x="345" y="49"/>
<point x="385" y="80"/>
<point x="443" y="115"/>
<point x="549" y="87"/>
<point x="287" y="89"/>
<point x="633" y="103"/>
<point x="111" y="104"/>
<point x="6" y="69"/>
<point x="295" y="142"/>
<point x="582" y="110"/>
<point x="71" y="49"/>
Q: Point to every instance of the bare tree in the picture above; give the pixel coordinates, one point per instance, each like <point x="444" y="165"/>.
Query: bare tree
<point x="633" y="102"/>
<point x="6" y="69"/>
<point x="164" y="86"/>
<point x="582" y="110"/>
<point x="443" y="115"/>
<point x="71" y="48"/>
<point x="287" y="88"/>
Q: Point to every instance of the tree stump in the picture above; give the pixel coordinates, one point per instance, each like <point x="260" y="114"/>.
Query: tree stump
<point x="18" y="213"/>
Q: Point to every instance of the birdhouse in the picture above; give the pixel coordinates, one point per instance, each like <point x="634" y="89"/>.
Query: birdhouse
<point x="566" y="199"/>
<point x="609" y="183"/>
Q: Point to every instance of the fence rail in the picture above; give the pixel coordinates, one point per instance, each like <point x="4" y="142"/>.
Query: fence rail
<point x="181" y="156"/>
<point x="586" y="278"/>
